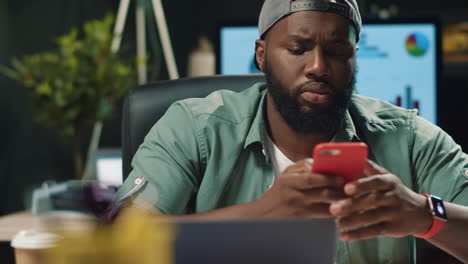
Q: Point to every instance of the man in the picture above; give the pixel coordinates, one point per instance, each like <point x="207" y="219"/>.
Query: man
<point x="245" y="155"/>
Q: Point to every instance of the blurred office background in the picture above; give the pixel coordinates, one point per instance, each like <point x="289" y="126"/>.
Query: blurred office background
<point x="31" y="154"/>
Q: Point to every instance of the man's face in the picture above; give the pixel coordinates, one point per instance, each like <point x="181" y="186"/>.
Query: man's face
<point x="309" y="62"/>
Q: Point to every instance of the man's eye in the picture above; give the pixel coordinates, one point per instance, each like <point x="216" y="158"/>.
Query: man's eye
<point x="296" y="51"/>
<point x="340" y="52"/>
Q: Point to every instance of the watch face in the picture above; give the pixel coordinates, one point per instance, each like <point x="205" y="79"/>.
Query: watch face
<point x="438" y="207"/>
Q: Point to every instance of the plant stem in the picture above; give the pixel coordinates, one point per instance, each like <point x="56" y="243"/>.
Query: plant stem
<point x="77" y="156"/>
<point x="92" y="149"/>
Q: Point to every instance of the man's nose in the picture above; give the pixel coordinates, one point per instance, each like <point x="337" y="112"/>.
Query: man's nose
<point x="317" y="65"/>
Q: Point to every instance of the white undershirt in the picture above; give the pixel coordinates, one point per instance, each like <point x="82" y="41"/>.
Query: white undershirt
<point x="279" y="160"/>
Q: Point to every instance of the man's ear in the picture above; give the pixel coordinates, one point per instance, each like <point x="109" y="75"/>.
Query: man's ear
<point x="260" y="53"/>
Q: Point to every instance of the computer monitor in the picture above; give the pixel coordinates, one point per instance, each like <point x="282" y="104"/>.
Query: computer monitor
<point x="109" y="165"/>
<point x="398" y="60"/>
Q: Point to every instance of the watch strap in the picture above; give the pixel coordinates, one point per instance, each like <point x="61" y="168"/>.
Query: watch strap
<point x="436" y="223"/>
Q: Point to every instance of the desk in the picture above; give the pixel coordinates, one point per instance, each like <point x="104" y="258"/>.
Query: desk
<point x="12" y="223"/>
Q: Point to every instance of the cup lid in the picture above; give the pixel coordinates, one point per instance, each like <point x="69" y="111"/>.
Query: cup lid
<point x="30" y="239"/>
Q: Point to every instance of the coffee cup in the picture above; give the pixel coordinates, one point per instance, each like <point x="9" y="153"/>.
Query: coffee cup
<point x="31" y="246"/>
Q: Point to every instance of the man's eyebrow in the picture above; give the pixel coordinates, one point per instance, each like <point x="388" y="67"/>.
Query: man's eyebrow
<point x="299" y="38"/>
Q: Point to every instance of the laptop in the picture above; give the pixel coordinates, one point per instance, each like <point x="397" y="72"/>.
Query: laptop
<point x="297" y="241"/>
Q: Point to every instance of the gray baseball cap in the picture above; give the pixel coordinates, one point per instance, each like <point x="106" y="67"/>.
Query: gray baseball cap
<point x="274" y="10"/>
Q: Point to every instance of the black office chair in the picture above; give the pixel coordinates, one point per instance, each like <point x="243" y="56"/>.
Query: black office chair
<point x="145" y="104"/>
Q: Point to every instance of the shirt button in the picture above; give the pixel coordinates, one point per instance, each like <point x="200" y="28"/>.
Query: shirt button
<point x="264" y="152"/>
<point x="466" y="172"/>
<point x="138" y="181"/>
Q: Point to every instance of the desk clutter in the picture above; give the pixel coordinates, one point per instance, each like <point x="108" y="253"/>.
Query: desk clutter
<point x="90" y="198"/>
<point x="69" y="226"/>
<point x="60" y="210"/>
<point x="135" y="237"/>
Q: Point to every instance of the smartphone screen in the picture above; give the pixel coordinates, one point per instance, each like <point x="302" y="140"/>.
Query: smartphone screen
<point x="346" y="159"/>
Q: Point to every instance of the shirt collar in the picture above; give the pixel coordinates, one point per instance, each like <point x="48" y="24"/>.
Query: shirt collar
<point x="347" y="132"/>
<point x="257" y="132"/>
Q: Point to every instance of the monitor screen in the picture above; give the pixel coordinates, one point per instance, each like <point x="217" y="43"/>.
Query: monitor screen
<point x="109" y="165"/>
<point x="397" y="61"/>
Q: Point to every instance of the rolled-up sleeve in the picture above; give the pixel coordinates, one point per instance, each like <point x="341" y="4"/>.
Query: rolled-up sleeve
<point x="167" y="167"/>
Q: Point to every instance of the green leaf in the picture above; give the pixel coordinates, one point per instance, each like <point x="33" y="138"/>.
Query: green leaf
<point x="10" y="73"/>
<point x="44" y="89"/>
<point x="19" y="66"/>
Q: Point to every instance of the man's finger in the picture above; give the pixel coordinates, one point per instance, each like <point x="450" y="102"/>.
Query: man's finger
<point x="299" y="167"/>
<point x="373" y="168"/>
<point x="324" y="195"/>
<point x="307" y="181"/>
<point x="367" y="232"/>
<point x="368" y="217"/>
<point x="372" y="199"/>
<point x="381" y="182"/>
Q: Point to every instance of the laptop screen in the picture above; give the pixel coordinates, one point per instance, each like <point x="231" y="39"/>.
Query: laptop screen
<point x="397" y="61"/>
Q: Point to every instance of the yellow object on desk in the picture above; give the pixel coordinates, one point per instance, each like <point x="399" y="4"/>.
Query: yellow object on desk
<point x="136" y="237"/>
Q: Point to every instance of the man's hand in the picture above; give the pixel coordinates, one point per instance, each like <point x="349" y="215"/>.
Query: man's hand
<point x="298" y="192"/>
<point x="380" y="205"/>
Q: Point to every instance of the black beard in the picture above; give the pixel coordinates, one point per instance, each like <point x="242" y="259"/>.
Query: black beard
<point x="325" y="121"/>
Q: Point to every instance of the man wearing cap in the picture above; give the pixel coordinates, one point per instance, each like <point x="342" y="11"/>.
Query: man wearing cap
<point x="245" y="155"/>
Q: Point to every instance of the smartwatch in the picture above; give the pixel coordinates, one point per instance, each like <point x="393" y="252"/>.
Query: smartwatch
<point x="439" y="215"/>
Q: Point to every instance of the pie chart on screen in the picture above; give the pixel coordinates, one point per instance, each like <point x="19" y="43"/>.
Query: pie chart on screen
<point x="417" y="44"/>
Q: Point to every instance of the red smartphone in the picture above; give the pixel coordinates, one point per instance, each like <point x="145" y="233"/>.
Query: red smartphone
<point x="345" y="159"/>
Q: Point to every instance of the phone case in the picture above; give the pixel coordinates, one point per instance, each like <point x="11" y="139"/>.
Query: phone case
<point x="346" y="159"/>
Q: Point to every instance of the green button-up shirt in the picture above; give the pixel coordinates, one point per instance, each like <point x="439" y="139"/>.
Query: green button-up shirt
<point x="209" y="153"/>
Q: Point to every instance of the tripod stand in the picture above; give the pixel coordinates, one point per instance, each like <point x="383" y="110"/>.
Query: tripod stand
<point x="167" y="51"/>
<point x="163" y="32"/>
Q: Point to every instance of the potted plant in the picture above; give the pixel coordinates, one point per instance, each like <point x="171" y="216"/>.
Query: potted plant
<point x="75" y="85"/>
